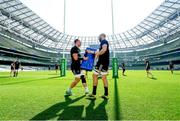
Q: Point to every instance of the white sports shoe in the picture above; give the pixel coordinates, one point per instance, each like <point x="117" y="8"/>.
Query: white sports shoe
<point x="86" y="92"/>
<point x="68" y="93"/>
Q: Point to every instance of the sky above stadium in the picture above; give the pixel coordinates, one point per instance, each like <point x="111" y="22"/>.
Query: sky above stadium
<point x="92" y="17"/>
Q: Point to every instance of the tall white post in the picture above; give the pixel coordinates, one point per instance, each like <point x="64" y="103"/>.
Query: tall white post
<point x="114" y="53"/>
<point x="64" y="29"/>
<point x="112" y="15"/>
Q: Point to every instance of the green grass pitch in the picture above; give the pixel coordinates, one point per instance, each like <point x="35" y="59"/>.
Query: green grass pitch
<point x="40" y="95"/>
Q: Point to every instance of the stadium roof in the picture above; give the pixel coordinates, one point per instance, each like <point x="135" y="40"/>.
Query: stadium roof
<point x="16" y="18"/>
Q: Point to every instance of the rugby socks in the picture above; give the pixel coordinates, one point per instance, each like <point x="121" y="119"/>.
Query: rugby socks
<point x="86" y="89"/>
<point x="106" y="91"/>
<point x="94" y="90"/>
<point x="69" y="90"/>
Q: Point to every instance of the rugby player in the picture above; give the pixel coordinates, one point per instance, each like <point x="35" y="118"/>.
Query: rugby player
<point x="12" y="68"/>
<point x="123" y="69"/>
<point x="148" y="67"/>
<point x="171" y="66"/>
<point x="16" y="66"/>
<point x="101" y="67"/>
<point x="79" y="74"/>
<point x="56" y="68"/>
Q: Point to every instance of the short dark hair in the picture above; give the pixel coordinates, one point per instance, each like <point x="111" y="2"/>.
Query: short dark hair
<point x="104" y="35"/>
<point x="76" y="41"/>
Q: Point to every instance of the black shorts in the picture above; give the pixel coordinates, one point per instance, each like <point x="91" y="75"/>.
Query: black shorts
<point x="16" y="68"/>
<point x="147" y="69"/>
<point x="78" y="73"/>
<point x="101" y="68"/>
<point x="123" y="70"/>
<point x="171" y="67"/>
<point x="76" y="70"/>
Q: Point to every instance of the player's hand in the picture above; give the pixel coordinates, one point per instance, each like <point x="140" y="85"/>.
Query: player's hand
<point x="89" y="51"/>
<point x="85" y="58"/>
<point x="97" y="54"/>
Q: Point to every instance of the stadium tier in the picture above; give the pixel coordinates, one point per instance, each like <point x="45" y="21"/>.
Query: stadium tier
<point x="24" y="35"/>
<point x="48" y="74"/>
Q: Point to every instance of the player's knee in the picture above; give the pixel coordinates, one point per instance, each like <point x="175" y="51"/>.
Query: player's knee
<point x="83" y="79"/>
<point x="95" y="76"/>
<point x="77" y="80"/>
<point x="104" y="77"/>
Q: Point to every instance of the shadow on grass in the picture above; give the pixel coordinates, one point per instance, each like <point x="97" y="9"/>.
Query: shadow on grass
<point x="54" y="74"/>
<point x="117" y="112"/>
<point x="98" y="113"/>
<point x="64" y="111"/>
<point x="153" y="78"/>
<point x="68" y="112"/>
<point x="3" y="77"/>
<point x="27" y="81"/>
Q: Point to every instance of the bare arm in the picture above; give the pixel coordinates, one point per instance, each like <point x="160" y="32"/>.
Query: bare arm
<point x="75" y="56"/>
<point x="102" y="51"/>
<point x="89" y="51"/>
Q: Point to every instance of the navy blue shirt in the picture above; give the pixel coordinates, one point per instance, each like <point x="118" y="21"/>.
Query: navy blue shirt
<point x="104" y="58"/>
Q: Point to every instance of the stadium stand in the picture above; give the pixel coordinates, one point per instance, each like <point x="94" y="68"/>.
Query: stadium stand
<point x="24" y="35"/>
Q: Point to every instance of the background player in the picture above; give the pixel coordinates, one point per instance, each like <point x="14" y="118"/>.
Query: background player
<point x="101" y="67"/>
<point x="171" y="66"/>
<point x="76" y="69"/>
<point x="123" y="69"/>
<point x="56" y="68"/>
<point x="12" y="68"/>
<point x="17" y="65"/>
<point x="149" y="74"/>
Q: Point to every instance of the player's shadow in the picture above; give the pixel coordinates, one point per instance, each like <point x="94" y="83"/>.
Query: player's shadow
<point x="117" y="106"/>
<point x="153" y="78"/>
<point x="54" y="77"/>
<point x="62" y="111"/>
<point x="3" y="77"/>
<point x="27" y="81"/>
<point x="53" y="74"/>
<point x="98" y="113"/>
